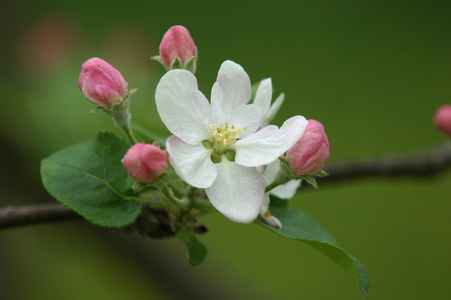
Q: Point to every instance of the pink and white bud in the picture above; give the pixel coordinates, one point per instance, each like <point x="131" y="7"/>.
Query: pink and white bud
<point x="101" y="83"/>
<point x="177" y="43"/>
<point x="145" y="162"/>
<point x="310" y="154"/>
<point x="443" y="119"/>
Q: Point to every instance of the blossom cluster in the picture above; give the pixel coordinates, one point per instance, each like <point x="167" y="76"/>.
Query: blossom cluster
<point x="225" y="146"/>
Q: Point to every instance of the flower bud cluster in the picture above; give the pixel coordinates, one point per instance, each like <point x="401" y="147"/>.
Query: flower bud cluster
<point x="206" y="152"/>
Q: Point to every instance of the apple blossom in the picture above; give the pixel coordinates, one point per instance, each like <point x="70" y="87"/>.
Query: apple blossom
<point x="443" y="119"/>
<point x="145" y="162"/>
<point x="101" y="83"/>
<point x="177" y="44"/>
<point x="310" y="154"/>
<point x="218" y="146"/>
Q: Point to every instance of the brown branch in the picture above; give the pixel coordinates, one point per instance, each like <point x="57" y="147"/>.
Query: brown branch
<point x="431" y="162"/>
<point x="155" y="223"/>
<point x="151" y="222"/>
<point x="13" y="216"/>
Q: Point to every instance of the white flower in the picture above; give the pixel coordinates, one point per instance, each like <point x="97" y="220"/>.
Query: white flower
<point x="225" y="132"/>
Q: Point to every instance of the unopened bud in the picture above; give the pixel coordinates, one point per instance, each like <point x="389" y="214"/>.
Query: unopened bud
<point x="145" y="162"/>
<point x="443" y="119"/>
<point x="309" y="155"/>
<point x="101" y="83"/>
<point x="177" y="44"/>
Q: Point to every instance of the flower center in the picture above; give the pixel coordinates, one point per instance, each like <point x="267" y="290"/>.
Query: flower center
<point x="224" y="137"/>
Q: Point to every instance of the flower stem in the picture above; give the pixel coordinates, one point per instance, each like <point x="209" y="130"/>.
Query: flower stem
<point x="169" y="194"/>
<point x="282" y="177"/>
<point x="128" y="132"/>
<point x="121" y="115"/>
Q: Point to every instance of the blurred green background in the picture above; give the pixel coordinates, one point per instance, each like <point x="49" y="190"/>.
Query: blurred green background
<point x="373" y="72"/>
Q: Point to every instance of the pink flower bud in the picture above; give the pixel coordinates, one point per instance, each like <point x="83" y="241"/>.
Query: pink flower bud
<point x="145" y="162"/>
<point x="309" y="155"/>
<point x="443" y="119"/>
<point x="101" y="83"/>
<point x="177" y="43"/>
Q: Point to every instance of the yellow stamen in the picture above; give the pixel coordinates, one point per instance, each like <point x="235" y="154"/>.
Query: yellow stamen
<point x="224" y="137"/>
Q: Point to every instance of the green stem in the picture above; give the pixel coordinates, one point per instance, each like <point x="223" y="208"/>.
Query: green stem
<point x="169" y="194"/>
<point x="189" y="192"/>
<point x="282" y="177"/>
<point x="128" y="132"/>
<point x="271" y="186"/>
<point x="152" y="202"/>
<point x="121" y="116"/>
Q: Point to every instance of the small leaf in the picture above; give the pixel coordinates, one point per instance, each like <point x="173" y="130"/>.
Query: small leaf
<point x="299" y="226"/>
<point x="322" y="173"/>
<point x="89" y="178"/>
<point x="177" y="64"/>
<point x="196" y="250"/>
<point x="191" y="65"/>
<point x="310" y="180"/>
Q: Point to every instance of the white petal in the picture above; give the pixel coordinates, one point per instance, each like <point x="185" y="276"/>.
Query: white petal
<point x="240" y="116"/>
<point x="221" y="113"/>
<point x="191" y="162"/>
<point x="274" y="222"/>
<point x="266" y="214"/>
<point x="245" y="116"/>
<point x="267" y="144"/>
<point x="287" y="190"/>
<point x="237" y="192"/>
<point x="265" y="205"/>
<point x="267" y="119"/>
<point x="263" y="97"/>
<point x="270" y="171"/>
<point x="232" y="89"/>
<point x="182" y="107"/>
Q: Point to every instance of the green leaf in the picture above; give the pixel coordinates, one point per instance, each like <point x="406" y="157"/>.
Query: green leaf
<point x="310" y="180"/>
<point x="299" y="226"/>
<point x="89" y="178"/>
<point x="196" y="250"/>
